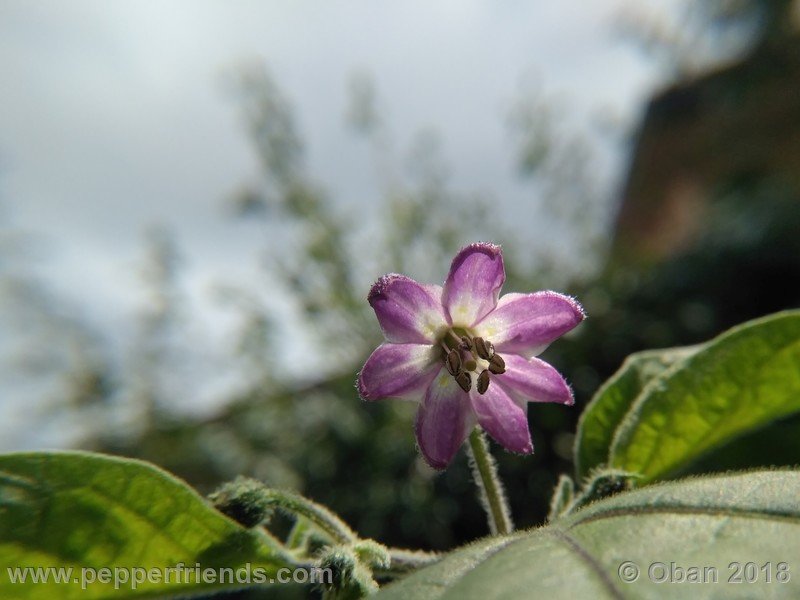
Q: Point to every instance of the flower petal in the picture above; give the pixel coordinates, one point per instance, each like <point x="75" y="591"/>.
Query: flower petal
<point x="407" y="311"/>
<point x="398" y="371"/>
<point x="473" y="284"/>
<point x="527" y="323"/>
<point x="443" y="421"/>
<point x="502" y="418"/>
<point x="533" y="380"/>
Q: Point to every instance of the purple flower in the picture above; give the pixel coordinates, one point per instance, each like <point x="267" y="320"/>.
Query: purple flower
<point x="465" y="354"/>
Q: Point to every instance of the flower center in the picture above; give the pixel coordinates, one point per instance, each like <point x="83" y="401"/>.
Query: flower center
<point x="465" y="356"/>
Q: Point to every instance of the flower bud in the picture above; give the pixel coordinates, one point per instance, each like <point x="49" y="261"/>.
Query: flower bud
<point x="602" y="483"/>
<point x="348" y="577"/>
<point x="244" y="500"/>
<point x="342" y="564"/>
<point x="373" y="554"/>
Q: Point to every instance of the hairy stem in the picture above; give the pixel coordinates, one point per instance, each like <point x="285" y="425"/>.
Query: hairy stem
<point x="490" y="487"/>
<point x="403" y="562"/>
<point x="299" y="534"/>
<point x="407" y="560"/>
<point x="316" y="513"/>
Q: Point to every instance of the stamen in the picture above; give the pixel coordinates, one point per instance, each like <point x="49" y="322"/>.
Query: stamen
<point x="497" y="365"/>
<point x="453" y="362"/>
<point x="484" y="348"/>
<point x="466" y="343"/>
<point x="464" y="381"/>
<point x="483" y="382"/>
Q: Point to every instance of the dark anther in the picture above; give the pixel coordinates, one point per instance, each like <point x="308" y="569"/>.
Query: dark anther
<point x="466" y="343"/>
<point x="464" y="380"/>
<point x="484" y="348"/>
<point x="453" y="362"/>
<point x="483" y="382"/>
<point x="497" y="365"/>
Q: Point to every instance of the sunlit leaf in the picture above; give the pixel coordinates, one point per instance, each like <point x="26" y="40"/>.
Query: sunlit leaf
<point x="611" y="403"/>
<point x="87" y="511"/>
<point x="666" y="408"/>
<point x="738" y="382"/>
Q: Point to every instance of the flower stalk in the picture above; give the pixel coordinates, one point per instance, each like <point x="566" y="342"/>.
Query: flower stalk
<point x="490" y="488"/>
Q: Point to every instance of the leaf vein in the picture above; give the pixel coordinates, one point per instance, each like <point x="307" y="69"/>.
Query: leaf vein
<point x="788" y="517"/>
<point x="593" y="564"/>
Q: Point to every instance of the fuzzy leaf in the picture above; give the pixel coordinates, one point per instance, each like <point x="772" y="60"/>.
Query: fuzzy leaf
<point x="664" y="409"/>
<point x="708" y="522"/>
<point x="740" y="381"/>
<point x="610" y="404"/>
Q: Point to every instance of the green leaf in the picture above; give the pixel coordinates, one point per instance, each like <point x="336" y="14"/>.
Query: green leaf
<point x="738" y="382"/>
<point x="77" y="510"/>
<point x="610" y="404"/>
<point x="563" y="497"/>
<point x="665" y="409"/>
<point x="706" y="523"/>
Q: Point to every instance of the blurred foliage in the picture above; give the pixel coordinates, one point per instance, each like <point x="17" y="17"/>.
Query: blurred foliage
<point x="48" y="354"/>
<point x="704" y="33"/>
<point x="315" y="435"/>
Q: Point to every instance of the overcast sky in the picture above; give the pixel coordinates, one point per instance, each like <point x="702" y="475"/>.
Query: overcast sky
<point x="114" y="115"/>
